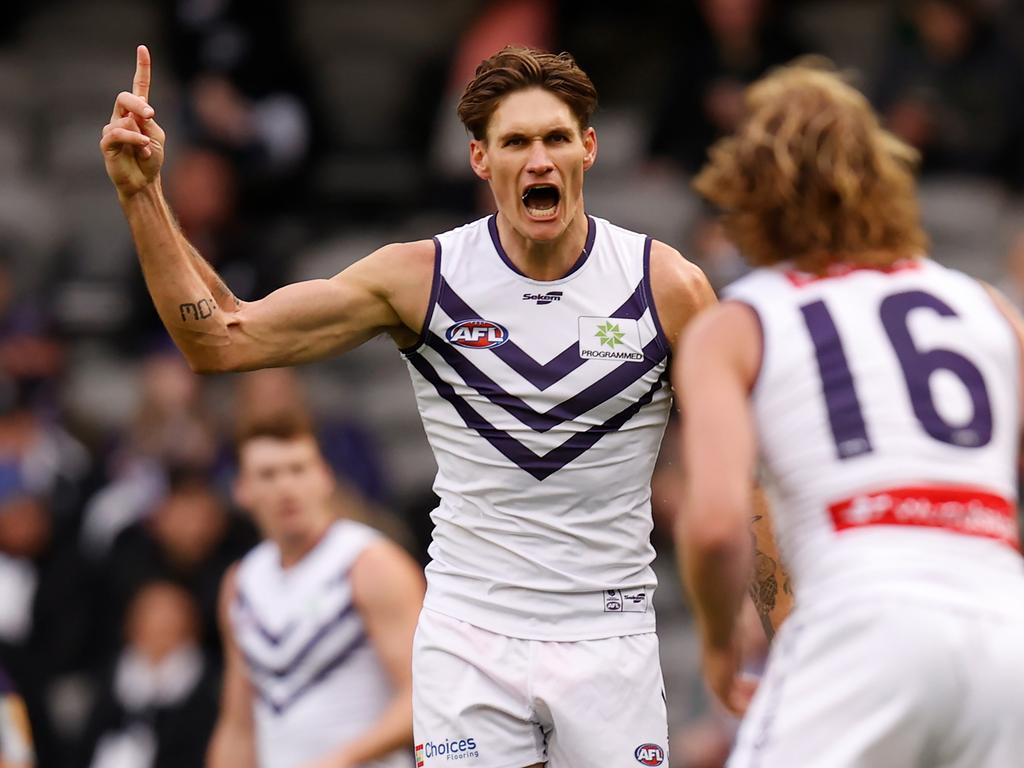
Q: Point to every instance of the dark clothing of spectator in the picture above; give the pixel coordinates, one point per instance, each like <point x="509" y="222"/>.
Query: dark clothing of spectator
<point x="962" y="109"/>
<point x="174" y="728"/>
<point x="700" y="101"/>
<point x="137" y="557"/>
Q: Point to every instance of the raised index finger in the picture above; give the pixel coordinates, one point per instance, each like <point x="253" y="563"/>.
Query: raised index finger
<point x="140" y="85"/>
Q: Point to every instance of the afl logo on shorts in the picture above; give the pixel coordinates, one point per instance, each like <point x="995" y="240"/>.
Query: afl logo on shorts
<point x="477" y="334"/>
<point x="649" y="754"/>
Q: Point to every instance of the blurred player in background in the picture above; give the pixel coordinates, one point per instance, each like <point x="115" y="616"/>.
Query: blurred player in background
<point x="16" y="749"/>
<point x="883" y="393"/>
<point x="318" y="621"/>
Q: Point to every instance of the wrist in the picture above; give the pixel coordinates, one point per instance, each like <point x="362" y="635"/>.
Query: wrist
<point x="150" y="193"/>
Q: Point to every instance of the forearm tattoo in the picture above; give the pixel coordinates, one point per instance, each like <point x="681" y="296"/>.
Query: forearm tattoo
<point x="764" y="586"/>
<point x="199" y="310"/>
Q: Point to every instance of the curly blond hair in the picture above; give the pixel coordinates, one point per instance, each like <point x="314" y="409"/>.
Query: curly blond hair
<point x="811" y="177"/>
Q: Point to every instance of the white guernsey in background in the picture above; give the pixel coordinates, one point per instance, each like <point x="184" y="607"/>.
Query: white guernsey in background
<point x="315" y="676"/>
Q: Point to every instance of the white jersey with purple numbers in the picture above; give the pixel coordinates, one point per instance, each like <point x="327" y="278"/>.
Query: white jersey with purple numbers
<point x="316" y="680"/>
<point x="888" y="418"/>
<point x="545" y="404"/>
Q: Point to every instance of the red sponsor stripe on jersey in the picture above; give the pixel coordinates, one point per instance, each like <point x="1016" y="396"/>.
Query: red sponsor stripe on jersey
<point x="800" y="279"/>
<point x="970" y="511"/>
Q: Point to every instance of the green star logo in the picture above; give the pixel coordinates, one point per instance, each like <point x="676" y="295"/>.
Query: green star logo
<point x="609" y="334"/>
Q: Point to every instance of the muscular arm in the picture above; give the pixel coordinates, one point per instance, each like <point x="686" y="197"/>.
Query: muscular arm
<point x="387" y="587"/>
<point x="386" y="291"/>
<point x="715" y="371"/>
<point x="232" y="744"/>
<point x="681" y="291"/>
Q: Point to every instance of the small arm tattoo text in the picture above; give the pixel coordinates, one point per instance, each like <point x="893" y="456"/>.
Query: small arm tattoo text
<point x="199" y="310"/>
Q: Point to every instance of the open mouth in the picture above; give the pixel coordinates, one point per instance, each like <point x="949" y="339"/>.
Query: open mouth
<point x="541" y="201"/>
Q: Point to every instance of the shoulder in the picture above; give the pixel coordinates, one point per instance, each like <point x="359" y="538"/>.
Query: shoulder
<point x="679" y="287"/>
<point x="383" y="571"/>
<point x="401" y="262"/>
<point x="730" y="334"/>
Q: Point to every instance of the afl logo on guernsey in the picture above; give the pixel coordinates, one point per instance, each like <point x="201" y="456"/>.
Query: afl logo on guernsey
<point x="649" y="754"/>
<point x="477" y="334"/>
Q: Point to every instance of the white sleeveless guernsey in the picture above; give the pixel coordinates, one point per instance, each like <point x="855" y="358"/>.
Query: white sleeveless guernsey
<point x="545" y="404"/>
<point x="888" y="419"/>
<point x="316" y="679"/>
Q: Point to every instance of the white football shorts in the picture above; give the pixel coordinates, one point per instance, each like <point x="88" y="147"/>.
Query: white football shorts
<point x="484" y="700"/>
<point x="887" y="685"/>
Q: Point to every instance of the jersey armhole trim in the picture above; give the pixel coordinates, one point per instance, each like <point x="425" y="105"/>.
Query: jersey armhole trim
<point x="763" y="345"/>
<point x="435" y="289"/>
<point x="663" y="343"/>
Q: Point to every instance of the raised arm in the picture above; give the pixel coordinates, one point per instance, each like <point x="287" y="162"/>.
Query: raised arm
<point x="385" y="292"/>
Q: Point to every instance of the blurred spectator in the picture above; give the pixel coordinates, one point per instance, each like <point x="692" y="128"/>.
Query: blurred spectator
<point x="714" y="253"/>
<point x="728" y="45"/>
<point x="951" y="87"/>
<point x="157" y="707"/>
<point x="346" y="444"/>
<point x="46" y="610"/>
<point x="246" y="92"/>
<point x="171" y="428"/>
<point x="49" y="460"/>
<point x="499" y="23"/>
<point x="16" y="749"/>
<point x="190" y="538"/>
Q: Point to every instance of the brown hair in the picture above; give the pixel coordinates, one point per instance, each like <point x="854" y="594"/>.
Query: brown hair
<point x="283" y="424"/>
<point x="810" y="176"/>
<point x="514" y="68"/>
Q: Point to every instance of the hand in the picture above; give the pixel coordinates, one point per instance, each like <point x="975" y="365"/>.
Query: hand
<point x="722" y="672"/>
<point x="132" y="142"/>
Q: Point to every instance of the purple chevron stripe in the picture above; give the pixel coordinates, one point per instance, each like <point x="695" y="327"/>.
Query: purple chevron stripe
<point x="266" y="634"/>
<point x="600" y="391"/>
<point x="560" y="366"/>
<point x="278" y="707"/>
<point x="492" y="228"/>
<point x="666" y="347"/>
<point x="540" y="467"/>
<point x="289" y="666"/>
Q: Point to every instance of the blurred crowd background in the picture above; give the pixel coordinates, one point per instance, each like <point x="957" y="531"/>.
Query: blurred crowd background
<point x="302" y="135"/>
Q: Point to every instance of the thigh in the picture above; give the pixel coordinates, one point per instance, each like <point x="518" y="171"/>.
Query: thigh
<point x="603" y="702"/>
<point x="850" y="690"/>
<point x="470" y="702"/>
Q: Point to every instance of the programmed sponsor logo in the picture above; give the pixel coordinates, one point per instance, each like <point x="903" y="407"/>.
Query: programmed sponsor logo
<point x="543" y="298"/>
<point x="449" y="749"/>
<point x="610" y="338"/>
<point x="477" y="334"/>
<point x="649" y="754"/>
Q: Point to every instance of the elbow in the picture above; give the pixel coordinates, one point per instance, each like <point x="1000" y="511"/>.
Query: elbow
<point x="207" y="363"/>
<point x="713" y="530"/>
